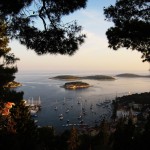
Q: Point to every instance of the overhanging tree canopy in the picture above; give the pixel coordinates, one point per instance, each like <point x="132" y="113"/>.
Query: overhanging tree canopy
<point x="131" y="29"/>
<point x="7" y="59"/>
<point x="55" y="37"/>
<point x="16" y="123"/>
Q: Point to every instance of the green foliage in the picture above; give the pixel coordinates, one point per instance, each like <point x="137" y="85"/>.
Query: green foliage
<point x="104" y="133"/>
<point x="131" y="26"/>
<point x="47" y="137"/>
<point x="6" y="58"/>
<point x="85" y="141"/>
<point x="3" y="39"/>
<point x="124" y="136"/>
<point x="55" y="37"/>
<point x="17" y="129"/>
<point x="142" y="98"/>
<point x="73" y="140"/>
<point x="13" y="6"/>
<point x="114" y="113"/>
<point x="146" y="135"/>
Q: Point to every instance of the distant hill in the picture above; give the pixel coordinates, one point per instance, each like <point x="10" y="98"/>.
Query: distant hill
<point x="130" y="75"/>
<point x="94" y="77"/>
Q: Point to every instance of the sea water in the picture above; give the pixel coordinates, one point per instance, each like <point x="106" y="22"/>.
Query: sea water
<point x="70" y="103"/>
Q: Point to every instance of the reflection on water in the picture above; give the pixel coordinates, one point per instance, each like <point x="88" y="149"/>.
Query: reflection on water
<point x="73" y="104"/>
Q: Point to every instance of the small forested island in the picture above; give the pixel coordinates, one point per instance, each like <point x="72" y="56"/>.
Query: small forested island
<point x="13" y="84"/>
<point x="130" y="75"/>
<point x="93" y="77"/>
<point x="75" y="85"/>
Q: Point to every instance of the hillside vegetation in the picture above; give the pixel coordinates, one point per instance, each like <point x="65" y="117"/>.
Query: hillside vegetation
<point x="93" y="77"/>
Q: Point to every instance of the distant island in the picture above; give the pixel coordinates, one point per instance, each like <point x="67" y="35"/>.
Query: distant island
<point x="75" y="85"/>
<point x="99" y="77"/>
<point x="13" y="84"/>
<point x="66" y="77"/>
<point x="94" y="77"/>
<point x="130" y="75"/>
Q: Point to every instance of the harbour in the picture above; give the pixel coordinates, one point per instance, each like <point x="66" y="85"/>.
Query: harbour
<point x="69" y="112"/>
<point x="84" y="106"/>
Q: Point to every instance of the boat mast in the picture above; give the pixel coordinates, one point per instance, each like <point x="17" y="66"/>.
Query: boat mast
<point x="39" y="103"/>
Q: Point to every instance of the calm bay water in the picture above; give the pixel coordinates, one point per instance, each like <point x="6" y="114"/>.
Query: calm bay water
<point x="52" y="95"/>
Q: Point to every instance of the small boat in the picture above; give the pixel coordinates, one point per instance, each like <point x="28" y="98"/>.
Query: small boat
<point x="81" y="122"/>
<point x="67" y="110"/>
<point x="64" y="102"/>
<point x="32" y="112"/>
<point x="80" y="117"/>
<point x="61" y="118"/>
<point x="56" y="108"/>
<point x="60" y="115"/>
<point x="35" y="121"/>
<point x="34" y="115"/>
<point x="84" y="113"/>
<point x="91" y="106"/>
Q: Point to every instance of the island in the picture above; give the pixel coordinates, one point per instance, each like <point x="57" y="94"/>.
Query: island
<point x="99" y="77"/>
<point x="75" y="85"/>
<point x="66" y="77"/>
<point x="12" y="84"/>
<point x="130" y="75"/>
<point x="92" y="77"/>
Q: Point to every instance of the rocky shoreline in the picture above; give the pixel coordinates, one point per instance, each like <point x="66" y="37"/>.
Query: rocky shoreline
<point x="13" y="84"/>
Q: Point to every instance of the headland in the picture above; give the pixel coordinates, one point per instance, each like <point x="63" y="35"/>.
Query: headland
<point x="13" y="84"/>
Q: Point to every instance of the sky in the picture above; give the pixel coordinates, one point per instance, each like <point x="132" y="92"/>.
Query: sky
<point x="94" y="55"/>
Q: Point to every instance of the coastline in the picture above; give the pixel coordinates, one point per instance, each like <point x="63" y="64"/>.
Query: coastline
<point x="13" y="84"/>
<point x="52" y="95"/>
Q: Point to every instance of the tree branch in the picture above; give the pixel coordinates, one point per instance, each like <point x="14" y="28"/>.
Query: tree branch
<point x="41" y="16"/>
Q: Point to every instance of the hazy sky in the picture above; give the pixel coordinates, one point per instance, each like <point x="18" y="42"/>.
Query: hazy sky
<point x="93" y="55"/>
